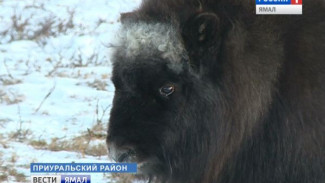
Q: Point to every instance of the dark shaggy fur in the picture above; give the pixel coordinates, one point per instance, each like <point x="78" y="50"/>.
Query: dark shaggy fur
<point x="248" y="105"/>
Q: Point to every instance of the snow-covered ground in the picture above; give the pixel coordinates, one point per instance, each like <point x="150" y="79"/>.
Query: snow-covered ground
<point x="55" y="89"/>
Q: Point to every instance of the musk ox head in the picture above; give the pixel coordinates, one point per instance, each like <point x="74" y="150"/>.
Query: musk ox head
<point x="164" y="114"/>
<point x="206" y="91"/>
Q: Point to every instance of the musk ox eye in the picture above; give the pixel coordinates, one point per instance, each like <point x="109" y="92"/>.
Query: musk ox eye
<point x="167" y="90"/>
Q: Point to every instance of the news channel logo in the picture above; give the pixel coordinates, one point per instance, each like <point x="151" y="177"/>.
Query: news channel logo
<point x="278" y="7"/>
<point x="60" y="179"/>
<point x="80" y="172"/>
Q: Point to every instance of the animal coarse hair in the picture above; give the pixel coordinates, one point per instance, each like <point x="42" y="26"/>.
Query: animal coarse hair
<point x="209" y="92"/>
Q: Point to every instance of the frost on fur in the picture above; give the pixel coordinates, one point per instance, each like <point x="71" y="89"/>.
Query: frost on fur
<point x="151" y="41"/>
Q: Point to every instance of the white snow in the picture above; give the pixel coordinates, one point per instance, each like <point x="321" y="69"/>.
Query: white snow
<point x="54" y="78"/>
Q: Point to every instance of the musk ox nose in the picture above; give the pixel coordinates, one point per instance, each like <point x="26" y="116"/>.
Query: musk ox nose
<point x="119" y="154"/>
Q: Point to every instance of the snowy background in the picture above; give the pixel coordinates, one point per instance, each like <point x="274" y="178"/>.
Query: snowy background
<point x="55" y="89"/>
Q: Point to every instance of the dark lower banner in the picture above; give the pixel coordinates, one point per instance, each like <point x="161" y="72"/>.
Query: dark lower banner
<point x="60" y="179"/>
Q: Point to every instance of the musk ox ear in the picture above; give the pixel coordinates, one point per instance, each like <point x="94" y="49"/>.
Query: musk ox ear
<point x="201" y="35"/>
<point x="202" y="27"/>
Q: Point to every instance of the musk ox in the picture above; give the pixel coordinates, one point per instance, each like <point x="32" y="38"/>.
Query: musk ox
<point x="209" y="92"/>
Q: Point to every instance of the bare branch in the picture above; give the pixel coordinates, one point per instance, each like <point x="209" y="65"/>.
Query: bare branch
<point x="47" y="95"/>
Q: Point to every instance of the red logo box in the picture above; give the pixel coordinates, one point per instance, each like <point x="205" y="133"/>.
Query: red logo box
<point x="298" y="2"/>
